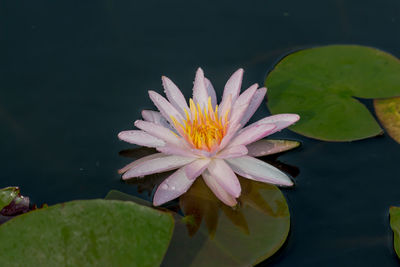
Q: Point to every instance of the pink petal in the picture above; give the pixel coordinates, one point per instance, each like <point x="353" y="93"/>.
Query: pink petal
<point x="232" y="88"/>
<point x="259" y="170"/>
<point x="157" y="165"/>
<point x="242" y="103"/>
<point x="226" y="108"/>
<point x="232" y="152"/>
<point x="184" y="150"/>
<point x="281" y="121"/>
<point x="172" y="187"/>
<point x="200" y="95"/>
<point x="219" y="192"/>
<point x="253" y="106"/>
<point x="268" y="147"/>
<point x="179" y="151"/>
<point x="157" y="118"/>
<point x="202" y="153"/>
<point x="159" y="131"/>
<point x="166" y="109"/>
<point x="140" y="138"/>
<point x="252" y="134"/>
<point x="140" y="161"/>
<point x="211" y="92"/>
<point x="224" y="176"/>
<point x="232" y="131"/>
<point x="174" y="95"/>
<point x="196" y="168"/>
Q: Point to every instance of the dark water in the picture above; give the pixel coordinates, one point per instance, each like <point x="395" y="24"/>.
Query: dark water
<point x="74" y="74"/>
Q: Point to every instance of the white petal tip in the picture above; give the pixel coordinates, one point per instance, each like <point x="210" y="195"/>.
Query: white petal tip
<point x="136" y="123"/>
<point x="152" y="93"/>
<point x="165" y="80"/>
<point x="287" y="183"/>
<point x="240" y="70"/>
<point x="236" y="195"/>
<point x="156" y="203"/>
<point x="294" y="117"/>
<point x="158" y="199"/>
<point x="125" y="177"/>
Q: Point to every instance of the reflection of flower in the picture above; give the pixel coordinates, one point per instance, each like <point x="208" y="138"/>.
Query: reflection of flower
<point x="200" y="204"/>
<point x="206" y="139"/>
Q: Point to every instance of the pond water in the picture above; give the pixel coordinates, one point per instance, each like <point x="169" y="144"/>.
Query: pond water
<point x="74" y="74"/>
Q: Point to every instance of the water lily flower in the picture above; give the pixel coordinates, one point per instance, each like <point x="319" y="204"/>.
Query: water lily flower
<point x="206" y="139"/>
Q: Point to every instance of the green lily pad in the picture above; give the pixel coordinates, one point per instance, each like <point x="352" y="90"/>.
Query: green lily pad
<point x="7" y="195"/>
<point x="213" y="234"/>
<point x="395" y="224"/>
<point x="388" y="112"/>
<point x="321" y="85"/>
<point x="243" y="236"/>
<point x="87" y="233"/>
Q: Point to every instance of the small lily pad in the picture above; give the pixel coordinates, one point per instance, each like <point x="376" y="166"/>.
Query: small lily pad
<point x="388" y="112"/>
<point x="7" y="195"/>
<point x="321" y="85"/>
<point x="395" y="224"/>
<point x="87" y="233"/>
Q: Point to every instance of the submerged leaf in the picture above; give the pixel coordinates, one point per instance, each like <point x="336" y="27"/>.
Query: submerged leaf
<point x="320" y="84"/>
<point x="395" y="224"/>
<point x="388" y="112"/>
<point x="87" y="233"/>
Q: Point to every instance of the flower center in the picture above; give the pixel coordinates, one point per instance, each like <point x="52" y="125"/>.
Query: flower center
<point x="203" y="129"/>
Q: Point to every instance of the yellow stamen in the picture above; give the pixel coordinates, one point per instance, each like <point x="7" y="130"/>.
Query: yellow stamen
<point x="203" y="129"/>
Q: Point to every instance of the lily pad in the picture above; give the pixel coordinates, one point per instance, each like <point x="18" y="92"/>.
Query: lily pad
<point x="87" y="233"/>
<point x="244" y="236"/>
<point x="388" y="112"/>
<point x="322" y="85"/>
<point x="213" y="234"/>
<point x="395" y="224"/>
<point x="7" y="195"/>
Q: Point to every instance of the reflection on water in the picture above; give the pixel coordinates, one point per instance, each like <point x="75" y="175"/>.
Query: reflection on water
<point x="209" y="233"/>
<point x="199" y="203"/>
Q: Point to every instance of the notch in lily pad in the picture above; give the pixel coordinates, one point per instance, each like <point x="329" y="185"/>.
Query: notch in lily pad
<point x="323" y="85"/>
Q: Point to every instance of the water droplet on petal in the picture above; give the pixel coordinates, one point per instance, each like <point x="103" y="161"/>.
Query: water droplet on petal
<point x="165" y="186"/>
<point x="173" y="187"/>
